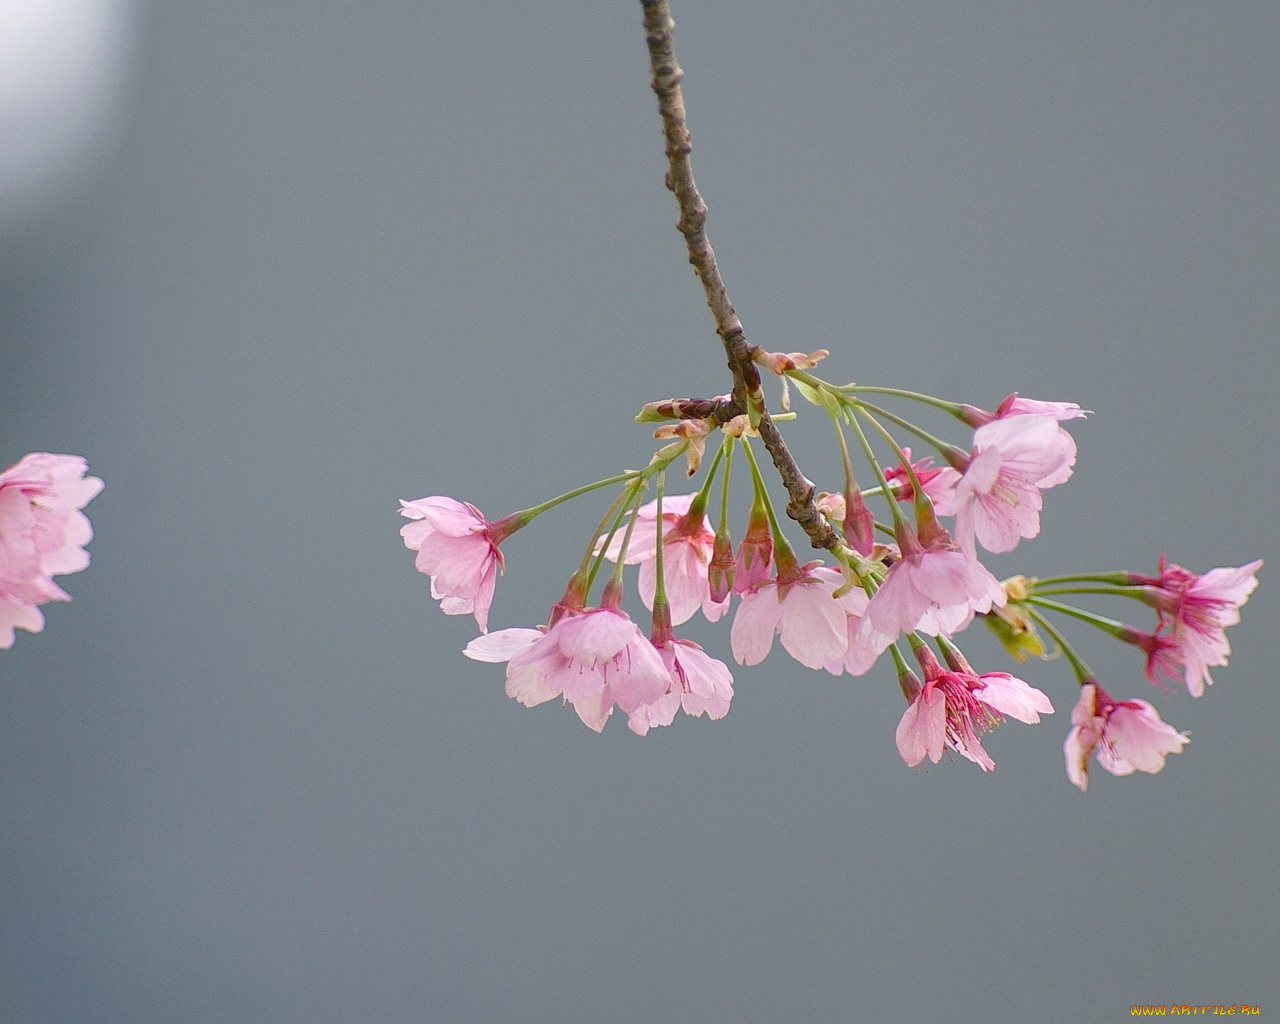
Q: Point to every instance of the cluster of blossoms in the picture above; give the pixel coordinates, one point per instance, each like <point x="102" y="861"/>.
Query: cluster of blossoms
<point x="42" y="535"/>
<point x="905" y="580"/>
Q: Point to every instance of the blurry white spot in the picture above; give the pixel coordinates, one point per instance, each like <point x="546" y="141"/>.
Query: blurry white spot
<point x="60" y="64"/>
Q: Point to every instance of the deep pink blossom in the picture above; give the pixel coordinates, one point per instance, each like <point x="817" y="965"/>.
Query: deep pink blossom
<point x="594" y="659"/>
<point x="934" y="480"/>
<point x="954" y="708"/>
<point x="933" y="590"/>
<point x="42" y="535"/>
<point x="801" y="611"/>
<point x="697" y="682"/>
<point x="1197" y="610"/>
<point x="1126" y="736"/>
<point x="458" y="549"/>
<point x="688" y="542"/>
<point x="997" y="497"/>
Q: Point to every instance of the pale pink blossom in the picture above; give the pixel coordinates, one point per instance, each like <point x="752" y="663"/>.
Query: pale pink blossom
<point x="1198" y="610"/>
<point x="1015" y="406"/>
<point x="954" y="708"/>
<point x="933" y="590"/>
<point x="860" y="655"/>
<point x="698" y="683"/>
<point x="801" y="611"/>
<point x="458" y="549"/>
<point x="1126" y="736"/>
<point x="42" y="535"/>
<point x="594" y="659"/>
<point x="687" y="547"/>
<point x="997" y="497"/>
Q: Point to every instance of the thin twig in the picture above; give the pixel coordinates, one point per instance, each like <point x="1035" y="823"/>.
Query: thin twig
<point x="747" y="393"/>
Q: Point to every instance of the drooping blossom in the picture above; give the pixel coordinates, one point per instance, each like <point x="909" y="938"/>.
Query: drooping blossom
<point x="688" y="542"/>
<point x="458" y="549"/>
<point x="954" y="708"/>
<point x="1197" y="610"/>
<point x="697" y="682"/>
<point x="595" y="659"/>
<point x="1015" y="406"/>
<point x="933" y="589"/>
<point x="997" y="496"/>
<point x="754" y="563"/>
<point x="42" y="535"/>
<point x="1125" y="735"/>
<point x="859" y="656"/>
<point x="799" y="607"/>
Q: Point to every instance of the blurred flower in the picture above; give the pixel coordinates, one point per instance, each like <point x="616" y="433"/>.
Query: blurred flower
<point x="42" y="535"/>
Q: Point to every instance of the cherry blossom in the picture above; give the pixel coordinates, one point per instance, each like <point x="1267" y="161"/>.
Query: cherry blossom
<point x="1198" y="610"/>
<point x="698" y="683"/>
<point x="801" y="611"/>
<point x="1126" y="736"/>
<point x="688" y="542"/>
<point x="1015" y="406"/>
<point x="997" y="497"/>
<point x="594" y="659"/>
<point x="42" y="535"/>
<point x="458" y="549"/>
<point x="934" y="590"/>
<point x="953" y="709"/>
<point x="754" y="563"/>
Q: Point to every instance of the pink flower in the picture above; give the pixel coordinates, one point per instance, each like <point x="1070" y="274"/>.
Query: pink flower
<point x="997" y="497"/>
<point x="688" y="543"/>
<point x="933" y="479"/>
<point x="458" y="549"/>
<point x="594" y="659"/>
<point x="698" y="683"/>
<point x="860" y="655"/>
<point x="42" y="535"/>
<point x="1015" y="406"/>
<point x="812" y="625"/>
<point x="1125" y="735"/>
<point x="755" y="554"/>
<point x="954" y="708"/>
<point x="1198" y="610"/>
<point x="933" y="590"/>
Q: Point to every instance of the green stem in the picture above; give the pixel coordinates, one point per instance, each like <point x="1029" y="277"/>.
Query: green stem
<point x="762" y="493"/>
<point x="1108" y="626"/>
<point x="898" y="518"/>
<point x="1136" y="593"/>
<point x="915" y="396"/>
<point x="616" y="511"/>
<point x="537" y="510"/>
<point x="1116" y="578"/>
<point x="1083" y="673"/>
<point x="941" y="446"/>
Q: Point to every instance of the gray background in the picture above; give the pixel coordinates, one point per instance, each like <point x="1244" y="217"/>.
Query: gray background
<point x="342" y="254"/>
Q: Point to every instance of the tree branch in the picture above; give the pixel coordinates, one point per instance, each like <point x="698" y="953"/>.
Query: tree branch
<point x="747" y="393"/>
